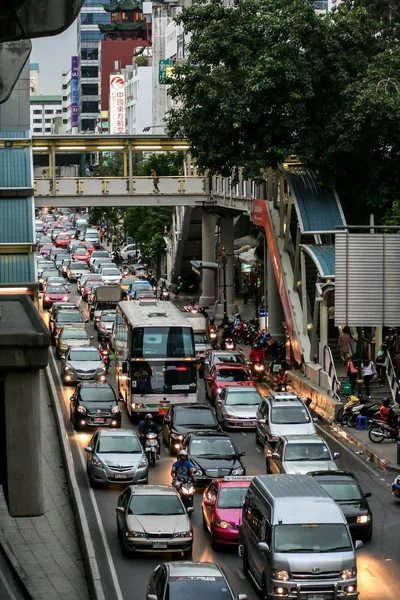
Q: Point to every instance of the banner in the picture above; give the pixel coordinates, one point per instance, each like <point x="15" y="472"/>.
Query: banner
<point x="117" y="104"/>
<point x="74" y="91"/>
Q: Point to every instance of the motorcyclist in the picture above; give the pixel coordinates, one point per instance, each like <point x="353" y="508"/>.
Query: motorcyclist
<point x="147" y="425"/>
<point x="281" y="378"/>
<point x="387" y="413"/>
<point x="237" y="320"/>
<point x="103" y="345"/>
<point x="182" y="469"/>
<point x="257" y="354"/>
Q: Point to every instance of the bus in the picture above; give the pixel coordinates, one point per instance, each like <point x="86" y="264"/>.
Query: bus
<point x="155" y="360"/>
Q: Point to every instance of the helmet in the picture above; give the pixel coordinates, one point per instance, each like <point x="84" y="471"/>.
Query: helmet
<point x="211" y="321"/>
<point x="256" y="346"/>
<point x="193" y="303"/>
<point x="148" y="416"/>
<point x="237" y="316"/>
<point x="386" y="402"/>
<point x="182" y="453"/>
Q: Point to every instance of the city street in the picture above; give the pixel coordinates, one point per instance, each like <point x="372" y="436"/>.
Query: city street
<point x="126" y="578"/>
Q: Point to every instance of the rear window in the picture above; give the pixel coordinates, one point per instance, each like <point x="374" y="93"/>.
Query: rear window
<point x="63" y="317"/>
<point x="233" y="375"/>
<point x="229" y="358"/>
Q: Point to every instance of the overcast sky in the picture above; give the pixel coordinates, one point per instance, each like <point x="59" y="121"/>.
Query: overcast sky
<point x="54" y="56"/>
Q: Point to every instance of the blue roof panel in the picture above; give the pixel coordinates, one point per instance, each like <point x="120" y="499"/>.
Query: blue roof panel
<point x="15" y="168"/>
<point x="318" y="208"/>
<point x="323" y="258"/>
<point x="16" y="221"/>
<point x="17" y="268"/>
<point x="20" y="134"/>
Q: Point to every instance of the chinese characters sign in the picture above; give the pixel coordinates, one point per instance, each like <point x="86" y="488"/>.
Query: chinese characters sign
<point x="117" y="104"/>
<point x="74" y="91"/>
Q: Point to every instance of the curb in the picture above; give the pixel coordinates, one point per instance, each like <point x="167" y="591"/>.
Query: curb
<point x="17" y="568"/>
<point x="96" y="591"/>
<point x="371" y="456"/>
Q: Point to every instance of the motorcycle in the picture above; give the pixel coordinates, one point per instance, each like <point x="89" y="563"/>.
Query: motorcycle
<point x="228" y="344"/>
<point x="186" y="286"/>
<point x="151" y="447"/>
<point x="105" y="355"/>
<point x="282" y="387"/>
<point x="164" y="295"/>
<point x="380" y="430"/>
<point x="212" y="336"/>
<point x="369" y="410"/>
<point x="192" y="309"/>
<point x="257" y="370"/>
<point x="186" y="490"/>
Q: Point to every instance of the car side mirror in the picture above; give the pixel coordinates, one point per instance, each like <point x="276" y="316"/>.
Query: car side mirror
<point x="72" y="398"/>
<point x="86" y="320"/>
<point x="88" y="449"/>
<point x="261" y="421"/>
<point x="242" y="597"/>
<point x="367" y="495"/>
<point x="263" y="546"/>
<point x="336" y="455"/>
<point x="125" y="366"/>
<point x="152" y="597"/>
<point x="208" y="502"/>
<point x="315" y="419"/>
<point x="92" y="337"/>
<point x="189" y="510"/>
<point x="242" y="453"/>
<point x="120" y="510"/>
<point x="209" y="378"/>
<point x="359" y="544"/>
<point x="62" y="358"/>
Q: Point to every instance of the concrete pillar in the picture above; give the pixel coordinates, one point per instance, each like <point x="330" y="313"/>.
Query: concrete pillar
<point x="323" y="329"/>
<point x="275" y="312"/>
<point x="226" y="228"/>
<point x="208" y="223"/>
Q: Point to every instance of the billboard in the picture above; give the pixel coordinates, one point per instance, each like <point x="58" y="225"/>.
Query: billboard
<point x="117" y="104"/>
<point x="74" y="91"/>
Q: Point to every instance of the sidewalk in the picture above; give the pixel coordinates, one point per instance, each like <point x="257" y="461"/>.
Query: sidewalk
<point x="44" y="550"/>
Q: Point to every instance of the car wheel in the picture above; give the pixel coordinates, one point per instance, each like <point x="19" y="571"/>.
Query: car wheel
<point x="213" y="543"/>
<point x="245" y="563"/>
<point x="125" y="552"/>
<point x="264" y="591"/>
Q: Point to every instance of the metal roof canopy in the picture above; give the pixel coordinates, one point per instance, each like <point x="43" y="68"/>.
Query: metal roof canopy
<point x="99" y="142"/>
<point x="317" y="206"/>
<point x="201" y="265"/>
<point x="323" y="256"/>
<point x="16" y="221"/>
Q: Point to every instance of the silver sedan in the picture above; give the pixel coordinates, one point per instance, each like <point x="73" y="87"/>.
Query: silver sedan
<point x="83" y="364"/>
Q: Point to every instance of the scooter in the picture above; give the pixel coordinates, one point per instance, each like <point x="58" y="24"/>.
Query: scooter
<point x="164" y="295"/>
<point x="105" y="355"/>
<point x="380" y="430"/>
<point x="257" y="370"/>
<point x="228" y="344"/>
<point x="212" y="336"/>
<point x="186" y="491"/>
<point x="151" y="448"/>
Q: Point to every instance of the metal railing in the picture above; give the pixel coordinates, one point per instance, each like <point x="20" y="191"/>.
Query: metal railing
<point x="329" y="367"/>
<point x="392" y="378"/>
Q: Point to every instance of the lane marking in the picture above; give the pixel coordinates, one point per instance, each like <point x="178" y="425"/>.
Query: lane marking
<point x="92" y="497"/>
<point x="243" y="433"/>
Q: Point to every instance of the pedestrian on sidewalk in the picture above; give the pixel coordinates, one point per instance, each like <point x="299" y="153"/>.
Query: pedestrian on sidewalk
<point x="369" y="371"/>
<point x="245" y="292"/>
<point x="156" y="181"/>
<point x="352" y="373"/>
<point x="381" y="364"/>
<point x="344" y="344"/>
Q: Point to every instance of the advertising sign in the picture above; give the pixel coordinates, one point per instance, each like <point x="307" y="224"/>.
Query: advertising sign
<point x="74" y="91"/>
<point x="117" y="104"/>
<point x="165" y="70"/>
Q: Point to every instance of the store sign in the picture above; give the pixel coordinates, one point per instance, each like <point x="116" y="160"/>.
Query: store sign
<point x="117" y="104"/>
<point x="74" y="91"/>
<point x="165" y="70"/>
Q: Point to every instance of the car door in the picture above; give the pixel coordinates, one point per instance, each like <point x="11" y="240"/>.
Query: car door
<point x="161" y="583"/>
<point x="219" y="403"/>
<point x="121" y="518"/>
<point x="276" y="463"/>
<point x="209" y="504"/>
<point x="93" y="445"/>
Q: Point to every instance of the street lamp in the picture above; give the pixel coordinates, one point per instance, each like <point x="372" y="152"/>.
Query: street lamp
<point x="256" y="287"/>
<point x="224" y="261"/>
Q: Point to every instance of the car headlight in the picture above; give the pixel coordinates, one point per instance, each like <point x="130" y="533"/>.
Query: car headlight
<point x="238" y="471"/>
<point x="81" y="409"/>
<point x="176" y="436"/>
<point x="96" y="462"/>
<point x="223" y="524"/>
<point x="363" y="519"/>
<point x="115" y="409"/>
<point x="184" y="534"/>
<point x="135" y="534"/>
<point x="143" y="463"/>
<point x="349" y="573"/>
<point x="41" y="280"/>
<point x="219" y="390"/>
<point x="280" y="575"/>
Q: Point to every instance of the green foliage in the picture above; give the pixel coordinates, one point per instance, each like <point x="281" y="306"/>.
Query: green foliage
<point x="142" y="61"/>
<point x="265" y="78"/>
<point x="165" y="164"/>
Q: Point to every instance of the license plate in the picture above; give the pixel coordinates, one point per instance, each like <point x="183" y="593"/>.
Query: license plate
<point x="98" y="420"/>
<point x="248" y="424"/>
<point x="86" y="377"/>
<point x="160" y="545"/>
<point x="121" y="475"/>
<point x="316" y="597"/>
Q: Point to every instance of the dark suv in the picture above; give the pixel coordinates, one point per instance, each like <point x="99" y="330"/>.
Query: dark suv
<point x="184" y="418"/>
<point x="95" y="405"/>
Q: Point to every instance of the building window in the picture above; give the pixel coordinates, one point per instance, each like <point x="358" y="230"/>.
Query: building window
<point x="89" y="54"/>
<point x="90" y="36"/>
<point x="47" y="120"/>
<point x="65" y="110"/>
<point x="90" y="89"/>
<point x="89" y="71"/>
<point x="65" y="98"/>
<point x="37" y="120"/>
<point x="65" y="85"/>
<point x="48" y="130"/>
<point x="37" y="130"/>
<point x="65" y="121"/>
<point x="95" y="18"/>
<point x="49" y="111"/>
<point x="90" y="107"/>
<point x="37" y="112"/>
<point x="88" y="124"/>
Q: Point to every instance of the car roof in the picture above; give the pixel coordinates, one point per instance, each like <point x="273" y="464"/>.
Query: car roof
<point x="311" y="438"/>
<point x="241" y="390"/>
<point x="334" y="475"/>
<point x="86" y="349"/>
<point x="95" y="384"/>
<point x="197" y="406"/>
<point x="154" y="490"/>
<point x="210" y="433"/>
<point x="114" y="432"/>
<point x="194" y="569"/>
<point x="284" y="399"/>
<point x="226" y="353"/>
<point x="233" y="484"/>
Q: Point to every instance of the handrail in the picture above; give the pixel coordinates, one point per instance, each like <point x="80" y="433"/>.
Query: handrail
<point x="329" y="367"/>
<point x="392" y="379"/>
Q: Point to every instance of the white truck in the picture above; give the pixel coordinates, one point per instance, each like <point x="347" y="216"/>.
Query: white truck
<point x="105" y="297"/>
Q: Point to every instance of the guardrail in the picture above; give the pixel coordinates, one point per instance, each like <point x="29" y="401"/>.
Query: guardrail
<point x="329" y="367"/>
<point x="392" y="378"/>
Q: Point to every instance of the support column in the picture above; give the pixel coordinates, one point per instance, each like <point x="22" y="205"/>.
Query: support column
<point x="275" y="312"/>
<point x="208" y="223"/>
<point x="226" y="227"/>
<point x="323" y="329"/>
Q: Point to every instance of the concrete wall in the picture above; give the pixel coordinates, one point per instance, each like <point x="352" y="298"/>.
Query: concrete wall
<point x="14" y="114"/>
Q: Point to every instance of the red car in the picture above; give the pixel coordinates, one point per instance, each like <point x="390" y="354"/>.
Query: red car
<point x="45" y="249"/>
<point x="62" y="240"/>
<point x="55" y="293"/>
<point x="88" y="245"/>
<point x="223" y="374"/>
<point x="222" y="509"/>
<point x="81" y="255"/>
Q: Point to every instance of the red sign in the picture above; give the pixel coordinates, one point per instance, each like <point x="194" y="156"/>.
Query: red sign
<point x="262" y="218"/>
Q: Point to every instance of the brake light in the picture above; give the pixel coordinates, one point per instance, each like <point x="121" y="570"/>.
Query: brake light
<point x="181" y="368"/>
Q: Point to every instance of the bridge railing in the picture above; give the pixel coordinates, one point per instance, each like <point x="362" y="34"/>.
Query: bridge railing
<point x="120" y="186"/>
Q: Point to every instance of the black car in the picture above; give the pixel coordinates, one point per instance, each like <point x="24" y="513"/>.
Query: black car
<point x="95" y="405"/>
<point x="346" y="491"/>
<point x="213" y="455"/>
<point x="184" y="418"/>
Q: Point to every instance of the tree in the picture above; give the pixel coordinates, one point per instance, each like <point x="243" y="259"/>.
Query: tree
<point x="265" y="78"/>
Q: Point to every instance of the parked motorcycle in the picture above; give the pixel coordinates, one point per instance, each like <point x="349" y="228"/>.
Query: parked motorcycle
<point x="380" y="430"/>
<point x="151" y="447"/>
<point x="186" y="490"/>
<point x="164" y="294"/>
<point x="369" y="410"/>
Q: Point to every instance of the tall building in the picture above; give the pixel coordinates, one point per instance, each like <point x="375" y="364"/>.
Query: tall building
<point x="138" y="94"/>
<point x="70" y="99"/>
<point x="46" y="114"/>
<point x="34" y="79"/>
<point x="91" y="16"/>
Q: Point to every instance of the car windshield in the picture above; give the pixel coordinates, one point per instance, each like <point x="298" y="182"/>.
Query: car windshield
<point x="304" y="451"/>
<point x="72" y="317"/>
<point x="97" y="394"/>
<point x="234" y="398"/>
<point x="119" y="444"/>
<point x="100" y="254"/>
<point x="200" y="338"/>
<point x="128" y="280"/>
<point x="52" y="289"/>
<point x="229" y="358"/>
<point x="46" y="274"/>
<point x="191" y="588"/>
<point x="233" y="375"/>
<point x="111" y="272"/>
<point x="230" y="497"/>
<point x="312" y="537"/>
<point x="212" y="446"/>
<point x="158" y="504"/>
<point x="81" y="252"/>
<point x="74" y="334"/>
<point x="82" y="266"/>
<point x="342" y="491"/>
<point x="290" y="415"/>
<point x="63" y="236"/>
<point x="109" y="318"/>
<point x="56" y="281"/>
<point x="80" y="355"/>
<point x="194" y="417"/>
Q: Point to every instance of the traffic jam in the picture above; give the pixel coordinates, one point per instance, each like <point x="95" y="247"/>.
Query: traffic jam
<point x="211" y="472"/>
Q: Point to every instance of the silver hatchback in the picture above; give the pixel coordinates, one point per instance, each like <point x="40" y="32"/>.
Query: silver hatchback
<point x="116" y="457"/>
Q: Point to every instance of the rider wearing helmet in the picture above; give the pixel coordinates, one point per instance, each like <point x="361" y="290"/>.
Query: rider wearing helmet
<point x="103" y="344"/>
<point x="147" y="425"/>
<point x="257" y="354"/>
<point x="182" y="468"/>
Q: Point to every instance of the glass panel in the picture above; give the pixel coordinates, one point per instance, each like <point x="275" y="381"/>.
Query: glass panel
<point x="155" y="505"/>
<point x="92" y="355"/>
<point x="242" y="398"/>
<point x="341" y="491"/>
<point x="168" y="342"/>
<point x="231" y="497"/>
<point x="119" y="444"/>
<point x="289" y="415"/>
<point x="97" y="394"/>
<point x="190" y="418"/>
<point x="161" y="377"/>
<point x="212" y="446"/>
<point x="307" y="452"/>
<point x="198" y="587"/>
<point x="312" y="538"/>
<point x="233" y="375"/>
<point x="74" y="334"/>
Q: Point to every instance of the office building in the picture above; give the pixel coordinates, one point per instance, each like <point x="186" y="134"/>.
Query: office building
<point x="46" y="114"/>
<point x="138" y="97"/>
<point x="34" y="79"/>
